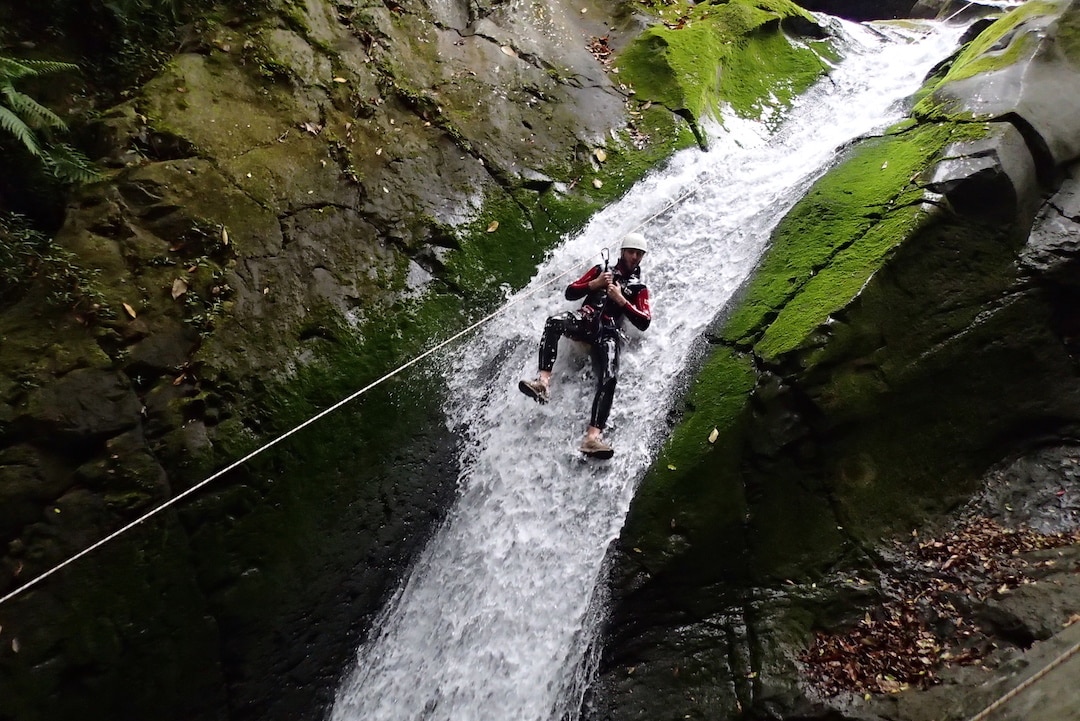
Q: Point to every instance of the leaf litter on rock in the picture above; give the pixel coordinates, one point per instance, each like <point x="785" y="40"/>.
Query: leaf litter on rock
<point x="928" y="617"/>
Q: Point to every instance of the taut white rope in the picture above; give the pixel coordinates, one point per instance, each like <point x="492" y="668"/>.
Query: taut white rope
<point x="1065" y="656"/>
<point x="180" y="496"/>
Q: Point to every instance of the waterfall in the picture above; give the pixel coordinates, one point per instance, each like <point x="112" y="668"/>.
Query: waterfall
<point x="493" y="620"/>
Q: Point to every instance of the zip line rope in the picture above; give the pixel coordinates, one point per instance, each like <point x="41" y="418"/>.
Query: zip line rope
<point x="180" y="496"/>
<point x="270" y="444"/>
<point x="1065" y="656"/>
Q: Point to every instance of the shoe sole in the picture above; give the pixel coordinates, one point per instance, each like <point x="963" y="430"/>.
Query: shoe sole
<point x="599" y="455"/>
<point x="527" y="390"/>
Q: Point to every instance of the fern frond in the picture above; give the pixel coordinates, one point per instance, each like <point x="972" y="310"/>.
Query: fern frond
<point x="13" y="124"/>
<point x="12" y="69"/>
<point x="42" y="67"/>
<point x="69" y="165"/>
<point x="33" y="112"/>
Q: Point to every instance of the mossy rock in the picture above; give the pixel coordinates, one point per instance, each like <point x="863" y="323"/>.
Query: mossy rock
<point x="1014" y="71"/>
<point x="722" y="53"/>
<point x="693" y="488"/>
<point x="993" y="48"/>
<point x="834" y="238"/>
<point x="124" y="610"/>
<point x="821" y="337"/>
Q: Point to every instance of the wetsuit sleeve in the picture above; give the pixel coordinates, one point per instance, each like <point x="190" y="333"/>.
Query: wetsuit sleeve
<point x="580" y="287"/>
<point x="638" y="311"/>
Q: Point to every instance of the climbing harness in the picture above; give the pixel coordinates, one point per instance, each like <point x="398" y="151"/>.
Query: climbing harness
<point x="270" y="444"/>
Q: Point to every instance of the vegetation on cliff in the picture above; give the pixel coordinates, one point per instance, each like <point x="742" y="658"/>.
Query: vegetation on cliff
<point x="757" y="69"/>
<point x="32" y="125"/>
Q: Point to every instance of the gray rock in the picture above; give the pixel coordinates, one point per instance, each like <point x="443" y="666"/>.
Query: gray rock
<point x="993" y="177"/>
<point x="85" y="403"/>
<point x="1053" y="247"/>
<point x="1032" y="80"/>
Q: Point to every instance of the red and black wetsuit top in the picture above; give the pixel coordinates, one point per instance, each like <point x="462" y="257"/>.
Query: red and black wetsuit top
<point x="607" y="312"/>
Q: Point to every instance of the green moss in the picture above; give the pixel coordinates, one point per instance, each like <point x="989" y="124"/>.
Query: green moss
<point x="717" y="400"/>
<point x="507" y="254"/>
<point x="652" y="136"/>
<point x="981" y="54"/>
<point x="969" y="65"/>
<point x="694" y="484"/>
<point x="769" y="69"/>
<point x="831" y="288"/>
<point x="837" y="213"/>
<point x="731" y="52"/>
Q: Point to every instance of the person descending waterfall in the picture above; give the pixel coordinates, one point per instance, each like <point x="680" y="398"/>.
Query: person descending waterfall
<point x="610" y="296"/>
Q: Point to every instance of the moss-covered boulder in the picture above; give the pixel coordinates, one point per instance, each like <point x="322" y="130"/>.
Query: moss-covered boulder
<point x="756" y="66"/>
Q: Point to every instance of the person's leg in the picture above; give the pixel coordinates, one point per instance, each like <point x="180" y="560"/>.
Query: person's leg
<point x="605" y="356"/>
<point x="555" y="328"/>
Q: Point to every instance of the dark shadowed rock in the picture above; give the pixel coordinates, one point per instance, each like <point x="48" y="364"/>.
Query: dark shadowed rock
<point x="862" y="9"/>
<point x="1053" y="249"/>
<point x="993" y="177"/>
<point x="86" y="403"/>
<point x="163" y="351"/>
<point x="29" y="483"/>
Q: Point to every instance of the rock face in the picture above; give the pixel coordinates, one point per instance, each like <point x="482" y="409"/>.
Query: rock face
<point x="862" y="9"/>
<point x="858" y="398"/>
<point x="1026" y="70"/>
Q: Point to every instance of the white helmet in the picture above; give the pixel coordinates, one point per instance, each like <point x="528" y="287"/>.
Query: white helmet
<point x="635" y="241"/>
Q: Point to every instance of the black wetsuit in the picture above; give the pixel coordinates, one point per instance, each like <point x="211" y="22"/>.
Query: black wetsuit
<point x="597" y="323"/>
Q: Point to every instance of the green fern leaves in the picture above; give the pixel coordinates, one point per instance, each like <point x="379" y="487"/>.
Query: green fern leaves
<point x="32" y="124"/>
<point x="68" y="164"/>
<point x="14" y="125"/>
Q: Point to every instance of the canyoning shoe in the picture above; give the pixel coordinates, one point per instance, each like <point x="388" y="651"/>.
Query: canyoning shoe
<point x="596" y="448"/>
<point x="535" y="390"/>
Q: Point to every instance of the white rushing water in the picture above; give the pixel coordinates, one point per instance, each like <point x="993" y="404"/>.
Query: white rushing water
<point x="493" y="620"/>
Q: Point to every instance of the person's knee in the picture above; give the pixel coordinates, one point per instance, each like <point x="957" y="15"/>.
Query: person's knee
<point x="609" y="374"/>
<point x="553" y="328"/>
